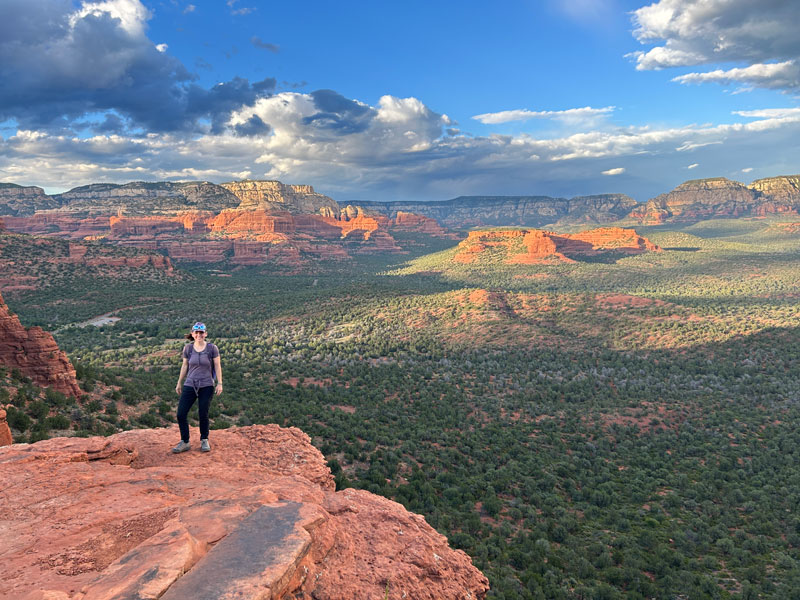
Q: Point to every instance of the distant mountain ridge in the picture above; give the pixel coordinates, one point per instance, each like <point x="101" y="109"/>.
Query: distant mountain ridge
<point x="534" y="211"/>
<point x="691" y="201"/>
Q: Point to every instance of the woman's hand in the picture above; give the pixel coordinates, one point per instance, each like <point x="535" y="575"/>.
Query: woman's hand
<point x="178" y="388"/>
<point x="219" y="389"/>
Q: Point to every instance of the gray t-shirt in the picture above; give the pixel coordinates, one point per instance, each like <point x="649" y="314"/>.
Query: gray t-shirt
<point x="200" y="365"/>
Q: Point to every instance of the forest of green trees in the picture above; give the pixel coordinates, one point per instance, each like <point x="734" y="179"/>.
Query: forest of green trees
<point x="603" y="429"/>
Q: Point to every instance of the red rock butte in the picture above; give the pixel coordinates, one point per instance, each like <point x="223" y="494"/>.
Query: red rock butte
<point x="35" y="353"/>
<point x="258" y="517"/>
<point x="531" y="246"/>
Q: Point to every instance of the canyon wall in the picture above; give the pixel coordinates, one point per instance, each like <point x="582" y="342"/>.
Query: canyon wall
<point x="532" y="211"/>
<point x="719" y="197"/>
<point x="274" y="195"/>
<point x="35" y="353"/>
<point x="146" y="198"/>
<point x="18" y="200"/>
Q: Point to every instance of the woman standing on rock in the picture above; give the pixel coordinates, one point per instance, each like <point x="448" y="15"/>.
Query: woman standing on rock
<point x="201" y="364"/>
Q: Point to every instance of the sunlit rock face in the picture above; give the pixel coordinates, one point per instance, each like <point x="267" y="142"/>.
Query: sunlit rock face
<point x="35" y="353"/>
<point x="244" y="223"/>
<point x="782" y="190"/>
<point x="257" y="517"/>
<point x="274" y="195"/>
<point x="531" y="246"/>
<point x="718" y="197"/>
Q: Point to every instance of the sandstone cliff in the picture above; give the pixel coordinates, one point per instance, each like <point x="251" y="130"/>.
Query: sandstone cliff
<point x="520" y="246"/>
<point x="35" y="353"/>
<point x="784" y="189"/>
<point x="17" y="200"/>
<point x="274" y="195"/>
<point x="146" y="198"/>
<point x="258" y="517"/>
<point x="532" y="211"/>
<point x="718" y="197"/>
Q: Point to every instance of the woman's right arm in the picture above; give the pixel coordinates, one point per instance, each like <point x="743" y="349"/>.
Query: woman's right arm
<point x="184" y="368"/>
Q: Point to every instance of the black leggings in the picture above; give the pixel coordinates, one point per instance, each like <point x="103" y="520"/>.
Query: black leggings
<point x="188" y="397"/>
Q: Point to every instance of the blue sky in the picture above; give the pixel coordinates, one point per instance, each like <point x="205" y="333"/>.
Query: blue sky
<point x="410" y="101"/>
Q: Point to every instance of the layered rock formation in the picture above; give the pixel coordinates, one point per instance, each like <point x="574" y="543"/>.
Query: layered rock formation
<point x="258" y="517"/>
<point x="23" y="200"/>
<point x="274" y="195"/>
<point x="532" y="211"/>
<point x="405" y="221"/>
<point x="536" y="246"/>
<point x="28" y="262"/>
<point x="146" y="198"/>
<point x="35" y="353"/>
<point x="719" y="197"/>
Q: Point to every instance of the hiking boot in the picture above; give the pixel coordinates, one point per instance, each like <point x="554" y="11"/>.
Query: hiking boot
<point x="204" y="446"/>
<point x="181" y="447"/>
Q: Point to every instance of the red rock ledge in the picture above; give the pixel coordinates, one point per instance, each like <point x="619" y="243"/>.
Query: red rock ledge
<point x="257" y="518"/>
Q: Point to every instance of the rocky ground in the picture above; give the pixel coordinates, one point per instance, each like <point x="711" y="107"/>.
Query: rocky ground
<point x="258" y="517"/>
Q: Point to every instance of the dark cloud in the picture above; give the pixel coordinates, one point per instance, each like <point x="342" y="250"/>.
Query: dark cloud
<point x="339" y="113"/>
<point x="254" y="126"/>
<point x="112" y="123"/>
<point x="58" y="64"/>
<point x="259" y="43"/>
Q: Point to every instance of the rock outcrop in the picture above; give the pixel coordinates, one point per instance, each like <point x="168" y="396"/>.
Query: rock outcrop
<point x="18" y="200"/>
<point x="258" y="517"/>
<point x="5" y="431"/>
<point x="536" y="246"/>
<point x="718" y="197"/>
<point x="782" y="190"/>
<point x="406" y="221"/>
<point x="145" y="198"/>
<point x="274" y="195"/>
<point x="531" y="211"/>
<point x="35" y="353"/>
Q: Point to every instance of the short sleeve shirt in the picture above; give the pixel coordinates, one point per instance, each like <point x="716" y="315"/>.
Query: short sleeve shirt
<point x="200" y="365"/>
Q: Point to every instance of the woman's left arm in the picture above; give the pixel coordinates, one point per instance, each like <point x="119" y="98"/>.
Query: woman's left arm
<point x="218" y="371"/>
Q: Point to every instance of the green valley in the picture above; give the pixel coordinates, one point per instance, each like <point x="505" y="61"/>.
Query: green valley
<point x="613" y="427"/>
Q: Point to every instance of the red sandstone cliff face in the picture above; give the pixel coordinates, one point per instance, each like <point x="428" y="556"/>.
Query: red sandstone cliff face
<point x="274" y="195"/>
<point x="5" y="430"/>
<point x="258" y="517"/>
<point x="34" y="352"/>
<point x="185" y="236"/>
<point x="59" y="224"/>
<point x="406" y="221"/>
<point x="539" y="246"/>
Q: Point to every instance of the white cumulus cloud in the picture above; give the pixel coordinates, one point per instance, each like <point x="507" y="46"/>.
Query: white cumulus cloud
<point x="762" y="35"/>
<point x="401" y="149"/>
